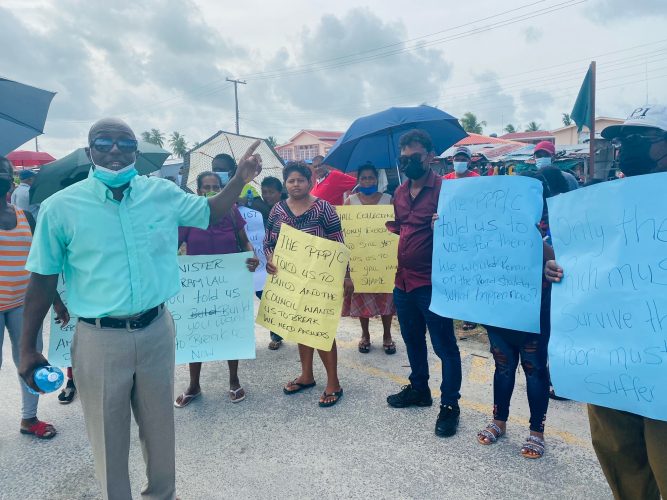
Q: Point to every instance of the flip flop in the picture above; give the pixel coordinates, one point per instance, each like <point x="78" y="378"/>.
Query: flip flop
<point x="389" y="348"/>
<point x="40" y="430"/>
<point x="186" y="399"/>
<point x="234" y="393"/>
<point x="337" y="395"/>
<point x="364" y="346"/>
<point x="301" y="387"/>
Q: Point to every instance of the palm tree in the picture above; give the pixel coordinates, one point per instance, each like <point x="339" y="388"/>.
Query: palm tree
<point x="146" y="136"/>
<point x="178" y="144"/>
<point x="157" y="137"/>
<point x="470" y="124"/>
<point x="567" y="119"/>
<point x="533" y="127"/>
<point x="509" y="128"/>
<point x="272" y="141"/>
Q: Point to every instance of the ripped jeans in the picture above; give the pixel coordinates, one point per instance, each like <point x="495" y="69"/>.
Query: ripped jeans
<point x="508" y="347"/>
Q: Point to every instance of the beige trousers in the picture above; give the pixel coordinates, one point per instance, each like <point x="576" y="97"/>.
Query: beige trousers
<point x="118" y="371"/>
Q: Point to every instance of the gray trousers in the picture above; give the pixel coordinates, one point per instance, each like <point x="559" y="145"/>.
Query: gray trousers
<point x="12" y="320"/>
<point x="118" y="371"/>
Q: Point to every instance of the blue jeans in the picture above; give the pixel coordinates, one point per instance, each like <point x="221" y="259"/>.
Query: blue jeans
<point x="507" y="347"/>
<point x="274" y="336"/>
<point x="414" y="317"/>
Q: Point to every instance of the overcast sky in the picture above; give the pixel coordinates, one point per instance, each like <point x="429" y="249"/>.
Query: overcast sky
<point x="315" y="64"/>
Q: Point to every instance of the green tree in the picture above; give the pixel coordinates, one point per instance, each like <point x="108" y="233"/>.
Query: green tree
<point x="272" y="141"/>
<point x="567" y="119"/>
<point x="146" y="136"/>
<point x="509" y="128"/>
<point x="178" y="144"/>
<point x="470" y="124"/>
<point x="533" y="127"/>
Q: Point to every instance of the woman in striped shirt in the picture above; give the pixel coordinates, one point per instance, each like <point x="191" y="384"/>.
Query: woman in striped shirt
<point x="314" y="216"/>
<point x="16" y="229"/>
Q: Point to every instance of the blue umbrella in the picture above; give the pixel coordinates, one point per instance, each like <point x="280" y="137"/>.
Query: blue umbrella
<point x="23" y="112"/>
<point x="374" y="138"/>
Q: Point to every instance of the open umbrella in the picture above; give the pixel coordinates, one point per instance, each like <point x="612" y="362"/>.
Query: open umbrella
<point x="23" y="112"/>
<point x="374" y="138"/>
<point x="29" y="158"/>
<point x="74" y="167"/>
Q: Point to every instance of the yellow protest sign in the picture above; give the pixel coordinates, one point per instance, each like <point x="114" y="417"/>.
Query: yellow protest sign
<point x="303" y="301"/>
<point x="374" y="257"/>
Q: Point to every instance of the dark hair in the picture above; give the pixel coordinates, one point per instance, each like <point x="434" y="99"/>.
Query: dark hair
<point x="272" y="182"/>
<point x="556" y="180"/>
<point x="226" y="158"/>
<point x="5" y="163"/>
<point x="368" y="166"/>
<point x="207" y="173"/>
<point x="418" y="136"/>
<point x="299" y="168"/>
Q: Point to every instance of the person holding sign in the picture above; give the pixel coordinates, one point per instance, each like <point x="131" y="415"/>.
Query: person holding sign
<point x="631" y="447"/>
<point x="115" y="236"/>
<point x="370" y="305"/>
<point x="314" y="216"/>
<point x="225" y="236"/>
<point x="415" y="203"/>
<point x="16" y="228"/>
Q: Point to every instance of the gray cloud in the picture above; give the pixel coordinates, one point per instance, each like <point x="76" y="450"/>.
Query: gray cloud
<point x="622" y="10"/>
<point x="534" y="105"/>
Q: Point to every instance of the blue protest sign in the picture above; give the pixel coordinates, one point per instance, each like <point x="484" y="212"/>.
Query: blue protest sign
<point x="608" y="341"/>
<point x="487" y="252"/>
<point x="60" y="337"/>
<point x="214" y="312"/>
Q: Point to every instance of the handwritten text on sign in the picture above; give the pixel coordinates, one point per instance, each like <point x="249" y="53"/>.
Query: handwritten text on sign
<point x="60" y="337"/>
<point x="214" y="311"/>
<point x="303" y="301"/>
<point x="608" y="341"/>
<point x="254" y="228"/>
<point x="487" y="252"/>
<point x="374" y="249"/>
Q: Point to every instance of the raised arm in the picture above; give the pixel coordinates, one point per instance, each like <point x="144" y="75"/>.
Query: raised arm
<point x="249" y="167"/>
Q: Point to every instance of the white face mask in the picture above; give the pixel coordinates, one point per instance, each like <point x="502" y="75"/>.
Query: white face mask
<point x="460" y="166"/>
<point x="543" y="162"/>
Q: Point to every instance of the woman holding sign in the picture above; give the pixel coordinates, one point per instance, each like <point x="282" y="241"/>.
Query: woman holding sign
<point x="314" y="216"/>
<point x="226" y="236"/>
<point x="369" y="305"/>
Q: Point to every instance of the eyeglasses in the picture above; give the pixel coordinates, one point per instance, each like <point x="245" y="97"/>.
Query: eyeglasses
<point x="106" y="144"/>
<point x="637" y="139"/>
<point x="404" y="161"/>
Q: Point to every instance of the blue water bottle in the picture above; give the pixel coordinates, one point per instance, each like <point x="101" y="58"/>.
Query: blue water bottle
<point x="47" y="378"/>
<point x="249" y="197"/>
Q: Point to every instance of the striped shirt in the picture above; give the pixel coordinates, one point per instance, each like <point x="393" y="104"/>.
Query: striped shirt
<point x="14" y="249"/>
<point x="320" y="220"/>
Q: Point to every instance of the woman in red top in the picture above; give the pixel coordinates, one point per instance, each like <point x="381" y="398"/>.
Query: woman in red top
<point x="226" y="236"/>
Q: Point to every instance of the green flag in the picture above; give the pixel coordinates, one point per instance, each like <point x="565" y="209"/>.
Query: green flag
<point x="581" y="113"/>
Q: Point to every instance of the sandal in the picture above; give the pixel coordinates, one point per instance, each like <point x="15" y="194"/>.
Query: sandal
<point x="300" y="387"/>
<point x="234" y="395"/>
<point x="186" y="399"/>
<point x="490" y="434"/>
<point x="467" y="326"/>
<point x="274" y="345"/>
<point x="389" y="348"/>
<point x="364" y="346"/>
<point x="41" y="430"/>
<point x="66" y="396"/>
<point x="336" y="395"/>
<point x="535" y="445"/>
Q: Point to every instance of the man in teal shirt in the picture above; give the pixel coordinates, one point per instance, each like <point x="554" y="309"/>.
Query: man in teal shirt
<point x="114" y="237"/>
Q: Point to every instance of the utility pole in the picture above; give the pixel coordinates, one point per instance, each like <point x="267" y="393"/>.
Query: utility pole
<point x="36" y="145"/>
<point x="236" y="98"/>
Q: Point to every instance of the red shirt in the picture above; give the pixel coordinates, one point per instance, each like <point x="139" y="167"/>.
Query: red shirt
<point x="332" y="187"/>
<point x="413" y="224"/>
<point x="452" y="175"/>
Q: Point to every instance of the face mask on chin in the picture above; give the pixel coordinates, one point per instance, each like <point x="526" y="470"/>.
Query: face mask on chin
<point x="114" y="178"/>
<point x="368" y="190"/>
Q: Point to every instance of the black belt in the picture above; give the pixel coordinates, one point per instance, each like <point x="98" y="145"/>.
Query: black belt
<point x="137" y="322"/>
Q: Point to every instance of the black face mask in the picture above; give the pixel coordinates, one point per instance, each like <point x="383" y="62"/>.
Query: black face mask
<point x="635" y="159"/>
<point x="5" y="184"/>
<point x="412" y="166"/>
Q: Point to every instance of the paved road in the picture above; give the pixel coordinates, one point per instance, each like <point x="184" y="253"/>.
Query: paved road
<point x="275" y="446"/>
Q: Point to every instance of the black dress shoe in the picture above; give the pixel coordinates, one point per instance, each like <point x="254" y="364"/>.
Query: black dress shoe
<point x="66" y="396"/>
<point x="410" y="397"/>
<point x="448" y="421"/>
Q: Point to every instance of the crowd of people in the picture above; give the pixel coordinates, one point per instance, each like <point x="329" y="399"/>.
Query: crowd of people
<point x="136" y="269"/>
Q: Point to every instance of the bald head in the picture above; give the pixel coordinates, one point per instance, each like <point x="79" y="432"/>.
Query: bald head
<point x="106" y="125"/>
